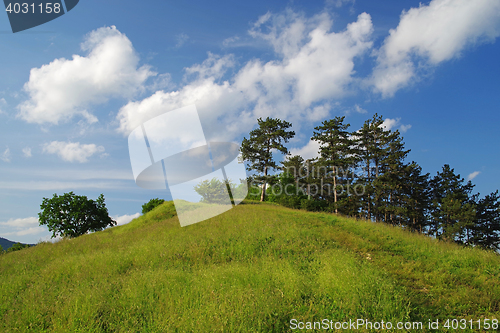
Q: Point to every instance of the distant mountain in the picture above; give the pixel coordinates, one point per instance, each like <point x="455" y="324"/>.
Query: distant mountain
<point x="6" y="244"/>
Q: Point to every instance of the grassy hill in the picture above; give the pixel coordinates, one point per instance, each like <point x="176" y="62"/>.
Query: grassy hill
<point x="252" y="269"/>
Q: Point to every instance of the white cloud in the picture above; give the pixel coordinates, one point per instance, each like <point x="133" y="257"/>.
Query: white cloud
<point x="359" y="109"/>
<point x="22" y="227"/>
<point x="431" y="34"/>
<point x="181" y="40"/>
<point x="213" y="67"/>
<point x="392" y="124"/>
<point x="404" y="128"/>
<point x="124" y="219"/>
<point x="212" y="99"/>
<point x="318" y="112"/>
<point x="65" y="88"/>
<point x="6" y="155"/>
<point x="72" y="151"/>
<point x="230" y="41"/>
<point x="339" y="3"/>
<point x="21" y="223"/>
<point x="473" y="175"/>
<point x="161" y="81"/>
<point x="317" y="64"/>
<point x="24" y="232"/>
<point x="314" y="66"/>
<point x="27" y="152"/>
<point x="3" y="103"/>
<point x="389" y="124"/>
<point x="310" y="150"/>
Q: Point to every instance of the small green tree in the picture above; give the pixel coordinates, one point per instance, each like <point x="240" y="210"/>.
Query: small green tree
<point x="71" y="215"/>
<point x="17" y="247"/>
<point x="151" y="204"/>
<point x="214" y="191"/>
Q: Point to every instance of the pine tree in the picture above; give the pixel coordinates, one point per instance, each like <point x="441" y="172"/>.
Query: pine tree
<point x="370" y="141"/>
<point x="257" y="149"/>
<point x="388" y="185"/>
<point x="293" y="165"/>
<point x="486" y="230"/>
<point x="416" y="193"/>
<point x="452" y="209"/>
<point x="335" y="151"/>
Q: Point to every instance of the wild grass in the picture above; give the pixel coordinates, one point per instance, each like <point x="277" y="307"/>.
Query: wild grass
<point x="251" y="269"/>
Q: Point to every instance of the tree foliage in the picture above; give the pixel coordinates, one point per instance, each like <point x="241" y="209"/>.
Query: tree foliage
<point x="151" y="204"/>
<point x="71" y="215"/>
<point x="214" y="191"/>
<point x="486" y="231"/>
<point x="336" y="154"/>
<point x="18" y="246"/>
<point x="258" y="148"/>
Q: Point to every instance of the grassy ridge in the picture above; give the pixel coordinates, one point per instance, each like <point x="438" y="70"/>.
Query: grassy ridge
<point x="251" y="269"/>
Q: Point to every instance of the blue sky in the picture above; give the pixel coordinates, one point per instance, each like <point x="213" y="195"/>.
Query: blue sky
<point x="72" y="90"/>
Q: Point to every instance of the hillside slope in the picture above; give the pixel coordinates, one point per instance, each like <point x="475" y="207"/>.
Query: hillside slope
<point x="252" y="269"/>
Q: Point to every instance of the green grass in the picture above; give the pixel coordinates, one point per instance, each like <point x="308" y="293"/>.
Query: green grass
<point x="252" y="269"/>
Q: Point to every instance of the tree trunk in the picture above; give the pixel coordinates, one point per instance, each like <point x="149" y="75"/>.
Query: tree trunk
<point x="369" y="199"/>
<point x="335" y="192"/>
<point x="263" y="193"/>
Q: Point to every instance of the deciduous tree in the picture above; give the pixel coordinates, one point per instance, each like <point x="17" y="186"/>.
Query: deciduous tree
<point x="71" y="215"/>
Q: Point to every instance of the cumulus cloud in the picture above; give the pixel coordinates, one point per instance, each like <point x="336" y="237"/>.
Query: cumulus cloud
<point x="317" y="63"/>
<point x="5" y="155"/>
<point x="429" y="35"/>
<point x="72" y="151"/>
<point x="22" y="227"/>
<point x="310" y="150"/>
<point x="27" y="152"/>
<point x="393" y="124"/>
<point x="21" y="223"/>
<point x="314" y="65"/>
<point x="473" y="175"/>
<point x="65" y="88"/>
<point x="318" y="112"/>
<point x="124" y="219"/>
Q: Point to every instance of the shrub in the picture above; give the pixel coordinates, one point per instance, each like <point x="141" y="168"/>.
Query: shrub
<point x="152" y="204"/>
<point x="312" y="205"/>
<point x="17" y="247"/>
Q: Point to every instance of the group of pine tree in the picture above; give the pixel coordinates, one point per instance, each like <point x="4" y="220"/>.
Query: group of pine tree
<point x="364" y="174"/>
